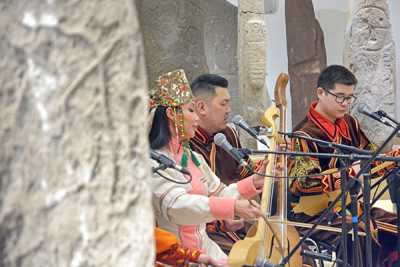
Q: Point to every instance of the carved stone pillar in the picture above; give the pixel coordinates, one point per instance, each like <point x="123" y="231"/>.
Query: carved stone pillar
<point x="252" y="63"/>
<point x="306" y="55"/>
<point x="370" y="54"/>
<point x="73" y="149"/>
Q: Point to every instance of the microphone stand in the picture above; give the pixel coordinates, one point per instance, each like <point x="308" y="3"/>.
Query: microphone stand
<point x="354" y="191"/>
<point x="341" y="147"/>
<point x="377" y="183"/>
<point x="395" y="197"/>
<point x="382" y="113"/>
<point x="368" y="160"/>
<point x="365" y="171"/>
<point x="388" y="185"/>
<point x="344" y="159"/>
<point x="367" y="211"/>
<point x="343" y="185"/>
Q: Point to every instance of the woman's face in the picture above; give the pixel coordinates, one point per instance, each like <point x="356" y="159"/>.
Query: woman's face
<point x="190" y="119"/>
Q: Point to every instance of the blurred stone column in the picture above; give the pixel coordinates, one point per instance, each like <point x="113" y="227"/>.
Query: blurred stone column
<point x="370" y="54"/>
<point x="306" y="55"/>
<point x="220" y="44"/>
<point x="252" y="56"/>
<point x="173" y="36"/>
<point x="73" y="149"/>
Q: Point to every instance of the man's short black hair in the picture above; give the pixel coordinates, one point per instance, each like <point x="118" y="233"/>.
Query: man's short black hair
<point x="335" y="74"/>
<point x="207" y="83"/>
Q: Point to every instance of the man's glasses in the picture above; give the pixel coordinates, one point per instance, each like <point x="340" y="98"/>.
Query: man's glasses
<point x="340" y="99"/>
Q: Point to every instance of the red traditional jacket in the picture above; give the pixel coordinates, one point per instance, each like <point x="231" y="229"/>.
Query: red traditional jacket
<point x="345" y="131"/>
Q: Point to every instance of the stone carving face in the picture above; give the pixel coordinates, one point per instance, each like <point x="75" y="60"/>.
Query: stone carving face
<point x="255" y="53"/>
<point x="257" y="75"/>
<point x="255" y="31"/>
<point x="370" y="28"/>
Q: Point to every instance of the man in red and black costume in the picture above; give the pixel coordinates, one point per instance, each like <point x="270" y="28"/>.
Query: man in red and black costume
<point x="328" y="120"/>
<point x="212" y="103"/>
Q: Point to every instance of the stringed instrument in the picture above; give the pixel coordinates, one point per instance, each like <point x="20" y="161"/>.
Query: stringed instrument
<point x="321" y="201"/>
<point x="271" y="241"/>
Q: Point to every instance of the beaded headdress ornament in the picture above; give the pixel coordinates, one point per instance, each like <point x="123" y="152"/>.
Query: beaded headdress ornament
<point x="173" y="90"/>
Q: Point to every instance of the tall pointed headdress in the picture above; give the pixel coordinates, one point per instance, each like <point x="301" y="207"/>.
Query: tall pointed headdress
<point x="172" y="90"/>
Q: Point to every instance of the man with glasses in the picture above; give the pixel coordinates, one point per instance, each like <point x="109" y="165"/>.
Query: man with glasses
<point x="328" y="120"/>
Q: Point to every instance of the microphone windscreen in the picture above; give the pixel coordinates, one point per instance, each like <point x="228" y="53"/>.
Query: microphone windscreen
<point x="363" y="108"/>
<point x="219" y="139"/>
<point x="237" y="119"/>
<point x="154" y="155"/>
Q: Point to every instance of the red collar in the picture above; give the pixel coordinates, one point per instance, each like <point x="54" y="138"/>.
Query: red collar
<point x="332" y="130"/>
<point x="202" y="136"/>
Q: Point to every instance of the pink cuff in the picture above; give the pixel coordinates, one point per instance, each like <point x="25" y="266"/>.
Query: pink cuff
<point x="246" y="188"/>
<point x="222" y="208"/>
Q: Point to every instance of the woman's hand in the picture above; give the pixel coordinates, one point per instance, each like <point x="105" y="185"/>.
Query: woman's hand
<point x="259" y="177"/>
<point x="244" y="209"/>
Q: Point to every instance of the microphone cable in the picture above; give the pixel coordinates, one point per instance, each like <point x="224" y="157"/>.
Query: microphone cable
<point x="157" y="170"/>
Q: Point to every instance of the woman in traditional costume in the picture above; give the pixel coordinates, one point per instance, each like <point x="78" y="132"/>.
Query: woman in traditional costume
<point x="184" y="209"/>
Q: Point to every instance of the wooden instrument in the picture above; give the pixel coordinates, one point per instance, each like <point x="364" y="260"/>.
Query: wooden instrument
<point x="387" y="227"/>
<point x="271" y="241"/>
<point x="321" y="201"/>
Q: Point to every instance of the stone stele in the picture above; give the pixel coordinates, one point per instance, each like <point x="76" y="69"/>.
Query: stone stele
<point x="370" y="54"/>
<point x="306" y="55"/>
<point x="252" y="46"/>
<point x="73" y="149"/>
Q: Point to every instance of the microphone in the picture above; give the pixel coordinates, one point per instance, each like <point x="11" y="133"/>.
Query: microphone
<point x="324" y="143"/>
<point x="292" y="134"/>
<point x="262" y="263"/>
<point x="383" y="114"/>
<point x="221" y="141"/>
<point x="364" y="109"/>
<point x="239" y="121"/>
<point x="321" y="256"/>
<point x="166" y="162"/>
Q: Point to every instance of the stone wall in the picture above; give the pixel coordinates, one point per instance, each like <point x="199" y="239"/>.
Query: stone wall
<point x="73" y="152"/>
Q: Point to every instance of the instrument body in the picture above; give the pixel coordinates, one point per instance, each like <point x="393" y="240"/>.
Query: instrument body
<point x="271" y="241"/>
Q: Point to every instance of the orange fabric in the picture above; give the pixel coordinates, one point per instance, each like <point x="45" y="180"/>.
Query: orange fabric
<point x="169" y="251"/>
<point x="164" y="240"/>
